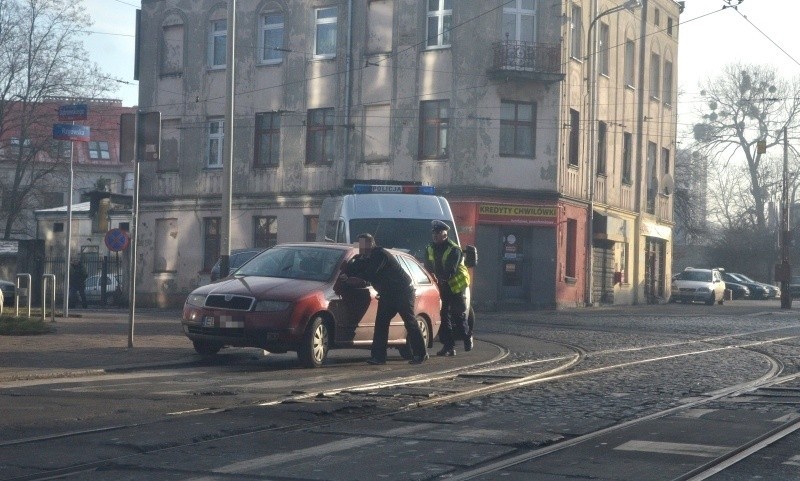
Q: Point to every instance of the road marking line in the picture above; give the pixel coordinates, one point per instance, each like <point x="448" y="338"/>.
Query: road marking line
<point x="695" y="413"/>
<point x="684" y="449"/>
<point x="793" y="461"/>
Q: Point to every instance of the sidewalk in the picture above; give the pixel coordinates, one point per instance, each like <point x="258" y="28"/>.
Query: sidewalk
<point x="92" y="341"/>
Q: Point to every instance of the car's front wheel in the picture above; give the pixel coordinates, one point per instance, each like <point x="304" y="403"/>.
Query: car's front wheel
<point x="405" y="351"/>
<point x="206" y="348"/>
<point x="314" y="346"/>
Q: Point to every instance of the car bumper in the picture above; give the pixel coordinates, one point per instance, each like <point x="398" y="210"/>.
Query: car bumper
<point x="241" y="329"/>
<point x="693" y="296"/>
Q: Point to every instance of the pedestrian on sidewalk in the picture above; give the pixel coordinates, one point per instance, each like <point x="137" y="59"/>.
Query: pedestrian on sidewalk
<point x="396" y="295"/>
<point x="77" y="282"/>
<point x="445" y="260"/>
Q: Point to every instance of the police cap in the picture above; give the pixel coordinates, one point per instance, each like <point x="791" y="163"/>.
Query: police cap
<point x="439" y="226"/>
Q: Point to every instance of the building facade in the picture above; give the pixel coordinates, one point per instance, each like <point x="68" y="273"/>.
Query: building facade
<point x="548" y="125"/>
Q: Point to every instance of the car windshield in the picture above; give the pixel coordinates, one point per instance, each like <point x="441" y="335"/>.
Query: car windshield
<point x="743" y="277"/>
<point x="704" y="276"/>
<point x="408" y="235"/>
<point x="294" y="262"/>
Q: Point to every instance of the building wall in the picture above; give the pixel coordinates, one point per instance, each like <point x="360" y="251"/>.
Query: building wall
<point x="376" y="93"/>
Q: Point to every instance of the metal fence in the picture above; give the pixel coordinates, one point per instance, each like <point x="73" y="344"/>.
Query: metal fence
<point x="97" y="267"/>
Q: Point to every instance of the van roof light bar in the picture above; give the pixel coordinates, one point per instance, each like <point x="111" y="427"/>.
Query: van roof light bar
<point x="393" y="189"/>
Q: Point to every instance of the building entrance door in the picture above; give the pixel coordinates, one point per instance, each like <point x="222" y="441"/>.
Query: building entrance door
<point x="514" y="285"/>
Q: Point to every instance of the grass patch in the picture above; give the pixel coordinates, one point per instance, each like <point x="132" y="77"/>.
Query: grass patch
<point x="23" y="326"/>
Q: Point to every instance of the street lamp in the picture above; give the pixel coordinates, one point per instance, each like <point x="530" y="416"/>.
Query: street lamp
<point x="591" y="56"/>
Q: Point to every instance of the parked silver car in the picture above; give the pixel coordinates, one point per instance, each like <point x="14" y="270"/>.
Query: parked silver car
<point x="94" y="287"/>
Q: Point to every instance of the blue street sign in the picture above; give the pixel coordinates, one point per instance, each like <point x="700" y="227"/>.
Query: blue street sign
<point x="73" y="112"/>
<point x="78" y="133"/>
<point x="117" y="240"/>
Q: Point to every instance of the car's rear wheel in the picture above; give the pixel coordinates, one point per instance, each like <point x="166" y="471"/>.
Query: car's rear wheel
<point x="206" y="348"/>
<point x="710" y="301"/>
<point x="405" y="351"/>
<point x="314" y="347"/>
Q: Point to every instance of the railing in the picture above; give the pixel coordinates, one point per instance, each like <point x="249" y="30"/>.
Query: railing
<point x="527" y="56"/>
<point x="600" y="194"/>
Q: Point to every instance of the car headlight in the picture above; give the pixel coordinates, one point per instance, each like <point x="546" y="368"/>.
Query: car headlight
<point x="198" y="300"/>
<point x="271" y="306"/>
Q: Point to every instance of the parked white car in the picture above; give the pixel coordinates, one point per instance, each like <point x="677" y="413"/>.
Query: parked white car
<point x="701" y="285"/>
<point x="94" y="287"/>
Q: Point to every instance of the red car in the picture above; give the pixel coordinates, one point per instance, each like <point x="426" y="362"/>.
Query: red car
<point x="288" y="298"/>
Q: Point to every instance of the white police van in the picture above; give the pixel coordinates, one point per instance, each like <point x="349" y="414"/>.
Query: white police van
<point x="398" y="216"/>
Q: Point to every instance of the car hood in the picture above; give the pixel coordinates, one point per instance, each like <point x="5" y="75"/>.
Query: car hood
<point x="263" y="287"/>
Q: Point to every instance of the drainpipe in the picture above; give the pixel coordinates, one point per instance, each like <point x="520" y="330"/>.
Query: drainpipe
<point x="638" y="275"/>
<point x="347" y="89"/>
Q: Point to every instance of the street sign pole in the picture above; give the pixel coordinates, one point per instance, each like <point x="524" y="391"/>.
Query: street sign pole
<point x="68" y="261"/>
<point x="134" y="227"/>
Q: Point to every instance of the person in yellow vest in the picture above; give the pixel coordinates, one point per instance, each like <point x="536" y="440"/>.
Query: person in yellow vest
<point x="445" y="260"/>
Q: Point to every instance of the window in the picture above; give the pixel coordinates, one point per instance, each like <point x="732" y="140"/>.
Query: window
<point x="669" y="26"/>
<point x="268" y="139"/>
<point x="434" y="120"/>
<point x="574" y="136"/>
<point x="171" y="49"/>
<point x="99" y="150"/>
<point x="666" y="89"/>
<point x="170" y="145"/>
<point x="216" y="135"/>
<point x="311" y="225"/>
<point x="379" y="26"/>
<point x="665" y="160"/>
<point x="320" y="142"/>
<point x="651" y="175"/>
<point x="572" y="248"/>
<point x="325" y="34"/>
<point x="60" y="149"/>
<point x="211" y="242"/>
<point x="517" y="129"/>
<point x="519" y="21"/>
<point x="602" y="143"/>
<point x="627" y="157"/>
<point x="377" y="123"/>
<point x="271" y="38"/>
<point x="440" y="21"/>
<point x="656" y="17"/>
<point x="630" y="58"/>
<point x="217" y="50"/>
<point x="655" y="76"/>
<point x="265" y="231"/>
<point x="58" y="227"/>
<point x="576" y="27"/>
<point x="603" y="50"/>
<point x="166" y="245"/>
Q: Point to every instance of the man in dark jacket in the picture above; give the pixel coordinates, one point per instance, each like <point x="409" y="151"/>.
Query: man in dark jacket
<point x="373" y="264"/>
<point x="77" y="282"/>
<point x="444" y="260"/>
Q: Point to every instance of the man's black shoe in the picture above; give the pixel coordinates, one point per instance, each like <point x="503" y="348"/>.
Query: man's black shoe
<point x="419" y="359"/>
<point x="375" y="362"/>
<point x="468" y="344"/>
<point x="446" y="351"/>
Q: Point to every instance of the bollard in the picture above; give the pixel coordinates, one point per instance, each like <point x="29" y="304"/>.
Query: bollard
<point x="23" y="292"/>
<point x="52" y="277"/>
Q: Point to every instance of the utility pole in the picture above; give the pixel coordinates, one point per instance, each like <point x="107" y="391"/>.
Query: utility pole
<point x="785" y="267"/>
<point x="227" y="161"/>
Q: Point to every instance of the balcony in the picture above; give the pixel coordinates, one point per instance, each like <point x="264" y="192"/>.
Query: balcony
<point x="526" y="61"/>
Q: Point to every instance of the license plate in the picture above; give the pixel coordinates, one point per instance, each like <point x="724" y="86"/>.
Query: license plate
<point x="208" y="321"/>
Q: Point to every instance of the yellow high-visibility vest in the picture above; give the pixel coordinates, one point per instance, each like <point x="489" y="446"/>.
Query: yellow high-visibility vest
<point x="460" y="280"/>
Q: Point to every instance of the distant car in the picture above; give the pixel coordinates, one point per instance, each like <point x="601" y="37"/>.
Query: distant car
<point x="794" y="286"/>
<point x="771" y="291"/>
<point x="237" y="259"/>
<point x="94" y="288"/>
<point x="8" y="290"/>
<point x="698" y="285"/>
<point x="738" y="291"/>
<point x="288" y="298"/>
<point x="757" y="290"/>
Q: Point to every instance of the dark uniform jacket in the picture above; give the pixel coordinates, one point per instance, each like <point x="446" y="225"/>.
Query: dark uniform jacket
<point x="382" y="270"/>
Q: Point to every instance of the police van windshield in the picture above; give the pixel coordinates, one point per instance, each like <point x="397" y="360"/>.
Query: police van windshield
<point x="409" y="235"/>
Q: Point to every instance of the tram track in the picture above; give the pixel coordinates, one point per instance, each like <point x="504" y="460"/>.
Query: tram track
<point x="492" y="376"/>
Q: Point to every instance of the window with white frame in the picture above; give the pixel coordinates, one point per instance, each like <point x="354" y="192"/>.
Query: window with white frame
<point x="576" y="32"/>
<point x="216" y="136"/>
<point x="217" y="50"/>
<point x="99" y="150"/>
<point x="271" y="38"/>
<point x="325" y="20"/>
<point x="655" y="76"/>
<point x="440" y="22"/>
<point x="603" y="50"/>
<point x="519" y="21"/>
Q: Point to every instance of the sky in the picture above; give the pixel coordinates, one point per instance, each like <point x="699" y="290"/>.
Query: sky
<point x="759" y="32"/>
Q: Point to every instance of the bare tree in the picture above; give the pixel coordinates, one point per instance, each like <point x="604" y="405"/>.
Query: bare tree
<point x="747" y="106"/>
<point x="41" y="56"/>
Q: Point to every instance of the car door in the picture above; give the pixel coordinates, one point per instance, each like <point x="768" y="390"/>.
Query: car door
<point x="354" y="309"/>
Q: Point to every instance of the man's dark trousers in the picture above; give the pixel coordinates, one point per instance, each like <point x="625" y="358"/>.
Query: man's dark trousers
<point x="388" y="306"/>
